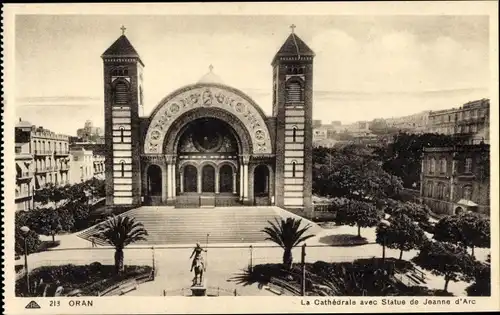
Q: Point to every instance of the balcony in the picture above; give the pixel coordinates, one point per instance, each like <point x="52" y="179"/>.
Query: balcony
<point x="42" y="170"/>
<point x="22" y="195"/>
<point x="61" y="153"/>
<point x="23" y="155"/>
<point x="43" y="152"/>
<point x="24" y="175"/>
<point x="64" y="168"/>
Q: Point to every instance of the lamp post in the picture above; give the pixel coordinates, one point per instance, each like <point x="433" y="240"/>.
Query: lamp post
<point x="25" y="231"/>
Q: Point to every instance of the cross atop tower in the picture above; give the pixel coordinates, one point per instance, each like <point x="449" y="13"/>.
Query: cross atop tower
<point x="123" y="28"/>
<point x="210" y="68"/>
<point x="292" y="27"/>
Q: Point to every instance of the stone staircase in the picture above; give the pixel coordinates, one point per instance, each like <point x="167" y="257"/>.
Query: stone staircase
<point x="168" y="225"/>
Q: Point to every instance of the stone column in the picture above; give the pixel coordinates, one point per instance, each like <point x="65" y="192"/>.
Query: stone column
<point x="245" y="182"/>
<point x="169" y="181"/>
<point x="174" y="181"/>
<point x="164" y="183"/>
<point x="217" y="180"/>
<point x="234" y="183"/>
<point x="241" y="182"/>
<point x="199" y="181"/>
<point x="181" y="182"/>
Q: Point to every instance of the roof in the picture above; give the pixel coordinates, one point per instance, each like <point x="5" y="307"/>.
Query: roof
<point x="468" y="203"/>
<point x="122" y="48"/>
<point x="24" y="124"/>
<point x="210" y="77"/>
<point x="294" y="46"/>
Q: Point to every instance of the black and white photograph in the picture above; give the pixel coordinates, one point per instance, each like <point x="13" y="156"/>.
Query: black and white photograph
<point x="338" y="162"/>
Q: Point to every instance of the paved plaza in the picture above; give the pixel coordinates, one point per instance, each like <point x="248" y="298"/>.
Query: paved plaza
<point x="224" y="261"/>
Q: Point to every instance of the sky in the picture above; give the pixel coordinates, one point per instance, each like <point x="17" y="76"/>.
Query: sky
<point x="366" y="67"/>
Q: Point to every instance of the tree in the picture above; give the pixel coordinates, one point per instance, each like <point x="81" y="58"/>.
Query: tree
<point x="445" y="259"/>
<point x="401" y="233"/>
<point x="46" y="222"/>
<point x="31" y="238"/>
<point x="416" y="212"/>
<point x="287" y="234"/>
<point x="482" y="280"/>
<point x="468" y="229"/>
<point x="66" y="219"/>
<point x="120" y="231"/>
<point x="80" y="213"/>
<point x="351" y="172"/>
<point x="403" y="157"/>
<point x="96" y="187"/>
<point x="359" y="213"/>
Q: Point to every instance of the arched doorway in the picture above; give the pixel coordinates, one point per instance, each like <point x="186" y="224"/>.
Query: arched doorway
<point x="261" y="185"/>
<point x="226" y="179"/>
<point x="208" y="179"/>
<point x="190" y="179"/>
<point x="154" y="184"/>
<point x="459" y="210"/>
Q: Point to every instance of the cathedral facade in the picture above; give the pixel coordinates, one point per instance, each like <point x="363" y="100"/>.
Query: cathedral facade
<point x="209" y="144"/>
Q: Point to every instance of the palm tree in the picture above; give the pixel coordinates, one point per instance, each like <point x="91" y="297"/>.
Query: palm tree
<point x="287" y="235"/>
<point x="120" y="232"/>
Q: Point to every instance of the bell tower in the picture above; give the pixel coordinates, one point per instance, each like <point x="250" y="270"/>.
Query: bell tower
<point x="292" y="107"/>
<point x="122" y="98"/>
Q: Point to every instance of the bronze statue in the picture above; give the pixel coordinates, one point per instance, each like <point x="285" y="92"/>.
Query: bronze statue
<point x="197" y="254"/>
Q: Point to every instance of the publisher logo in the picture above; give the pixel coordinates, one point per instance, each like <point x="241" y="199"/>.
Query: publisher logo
<point x="32" y="305"/>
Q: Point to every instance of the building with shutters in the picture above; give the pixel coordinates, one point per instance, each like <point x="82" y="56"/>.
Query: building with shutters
<point x="209" y="144"/>
<point x="456" y="179"/>
<point x="87" y="162"/>
<point x="471" y="121"/>
<point x="42" y="157"/>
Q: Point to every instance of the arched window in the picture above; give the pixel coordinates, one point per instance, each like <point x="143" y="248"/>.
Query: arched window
<point x="121" y="93"/>
<point x="121" y="134"/>
<point x="294" y="168"/>
<point x="125" y="72"/>
<point x="443" y="165"/>
<point x="301" y="70"/>
<point x="294" y="134"/>
<point x="141" y="96"/>
<point x="294" y="91"/>
<point x="122" y="168"/>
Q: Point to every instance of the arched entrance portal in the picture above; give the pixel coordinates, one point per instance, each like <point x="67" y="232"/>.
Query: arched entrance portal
<point x="261" y="185"/>
<point x="190" y="179"/>
<point x="459" y="210"/>
<point x="226" y="179"/>
<point x="208" y="179"/>
<point x="154" y="180"/>
<point x="210" y="150"/>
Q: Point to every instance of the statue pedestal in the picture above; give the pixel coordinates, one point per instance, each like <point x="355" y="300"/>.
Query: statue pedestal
<point x="199" y="290"/>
